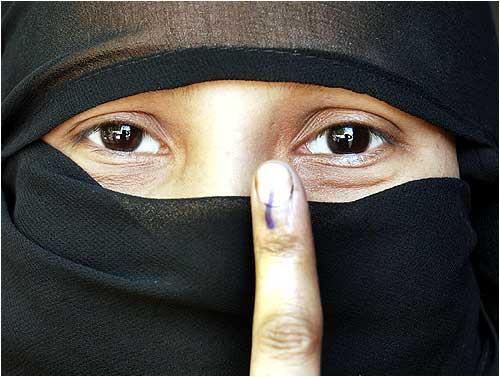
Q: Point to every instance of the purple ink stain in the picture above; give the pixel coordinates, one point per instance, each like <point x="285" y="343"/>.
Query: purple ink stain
<point x="269" y="206"/>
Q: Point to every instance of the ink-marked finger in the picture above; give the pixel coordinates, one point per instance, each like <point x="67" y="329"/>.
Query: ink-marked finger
<point x="287" y="322"/>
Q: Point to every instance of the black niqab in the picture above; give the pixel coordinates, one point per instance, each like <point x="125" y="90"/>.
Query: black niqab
<point x="99" y="282"/>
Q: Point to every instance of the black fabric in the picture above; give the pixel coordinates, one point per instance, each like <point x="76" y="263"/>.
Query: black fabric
<point x="87" y="283"/>
<point x="398" y="291"/>
<point x="433" y="60"/>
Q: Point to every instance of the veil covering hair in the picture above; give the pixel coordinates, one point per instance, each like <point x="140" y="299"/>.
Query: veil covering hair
<point x="98" y="282"/>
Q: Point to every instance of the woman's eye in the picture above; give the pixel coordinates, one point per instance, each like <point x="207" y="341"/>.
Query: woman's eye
<point x="345" y="139"/>
<point x="123" y="137"/>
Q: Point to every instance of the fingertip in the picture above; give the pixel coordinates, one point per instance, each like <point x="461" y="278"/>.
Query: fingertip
<point x="278" y="198"/>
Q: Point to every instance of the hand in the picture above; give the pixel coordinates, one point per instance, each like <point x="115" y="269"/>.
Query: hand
<point x="288" y="320"/>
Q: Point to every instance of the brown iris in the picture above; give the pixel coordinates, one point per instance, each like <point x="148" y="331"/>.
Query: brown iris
<point x="121" y="137"/>
<point x="348" y="139"/>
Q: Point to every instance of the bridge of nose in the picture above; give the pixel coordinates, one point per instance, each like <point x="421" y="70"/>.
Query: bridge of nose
<point x="229" y="137"/>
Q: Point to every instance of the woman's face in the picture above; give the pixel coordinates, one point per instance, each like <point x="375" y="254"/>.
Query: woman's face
<point x="207" y="139"/>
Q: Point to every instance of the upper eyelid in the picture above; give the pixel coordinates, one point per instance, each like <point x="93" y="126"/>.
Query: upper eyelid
<point x="80" y="135"/>
<point x="134" y="117"/>
<point x="329" y="117"/>
<point x="144" y="121"/>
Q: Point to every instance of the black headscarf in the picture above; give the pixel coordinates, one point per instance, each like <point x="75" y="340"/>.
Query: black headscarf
<point x="99" y="282"/>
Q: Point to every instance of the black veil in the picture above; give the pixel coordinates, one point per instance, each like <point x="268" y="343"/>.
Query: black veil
<point x="80" y="294"/>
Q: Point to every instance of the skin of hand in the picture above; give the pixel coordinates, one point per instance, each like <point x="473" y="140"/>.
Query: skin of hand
<point x="287" y="322"/>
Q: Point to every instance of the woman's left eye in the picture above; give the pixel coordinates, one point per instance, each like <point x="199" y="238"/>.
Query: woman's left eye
<point x="345" y="139"/>
<point x="123" y="137"/>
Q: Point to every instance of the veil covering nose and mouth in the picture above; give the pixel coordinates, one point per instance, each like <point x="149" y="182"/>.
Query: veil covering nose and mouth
<point x="98" y="282"/>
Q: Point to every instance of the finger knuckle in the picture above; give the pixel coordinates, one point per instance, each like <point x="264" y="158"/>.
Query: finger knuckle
<point x="282" y="244"/>
<point x="289" y="336"/>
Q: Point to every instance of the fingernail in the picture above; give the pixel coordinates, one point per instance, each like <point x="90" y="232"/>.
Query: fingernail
<point x="274" y="185"/>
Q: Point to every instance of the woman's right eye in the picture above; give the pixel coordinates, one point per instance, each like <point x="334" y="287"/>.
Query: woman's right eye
<point x="123" y="137"/>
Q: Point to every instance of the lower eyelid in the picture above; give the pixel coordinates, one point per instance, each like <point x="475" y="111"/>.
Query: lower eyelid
<point x="357" y="159"/>
<point x="348" y="161"/>
<point x="125" y="160"/>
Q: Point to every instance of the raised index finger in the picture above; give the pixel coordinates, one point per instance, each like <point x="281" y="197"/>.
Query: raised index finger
<point x="287" y="322"/>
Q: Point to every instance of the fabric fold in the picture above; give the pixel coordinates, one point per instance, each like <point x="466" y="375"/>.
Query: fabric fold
<point x="153" y="283"/>
<point x="98" y="282"/>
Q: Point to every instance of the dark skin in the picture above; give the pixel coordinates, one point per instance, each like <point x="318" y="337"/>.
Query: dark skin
<point x="216" y="139"/>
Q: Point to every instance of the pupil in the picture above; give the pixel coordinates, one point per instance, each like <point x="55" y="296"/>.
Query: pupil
<point x="121" y="137"/>
<point x="348" y="139"/>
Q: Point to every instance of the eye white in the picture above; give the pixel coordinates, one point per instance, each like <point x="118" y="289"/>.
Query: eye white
<point x="320" y="143"/>
<point x="148" y="144"/>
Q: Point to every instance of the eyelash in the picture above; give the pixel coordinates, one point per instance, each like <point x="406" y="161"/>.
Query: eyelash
<point x="87" y="134"/>
<point x="377" y="132"/>
<point x="343" y="159"/>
